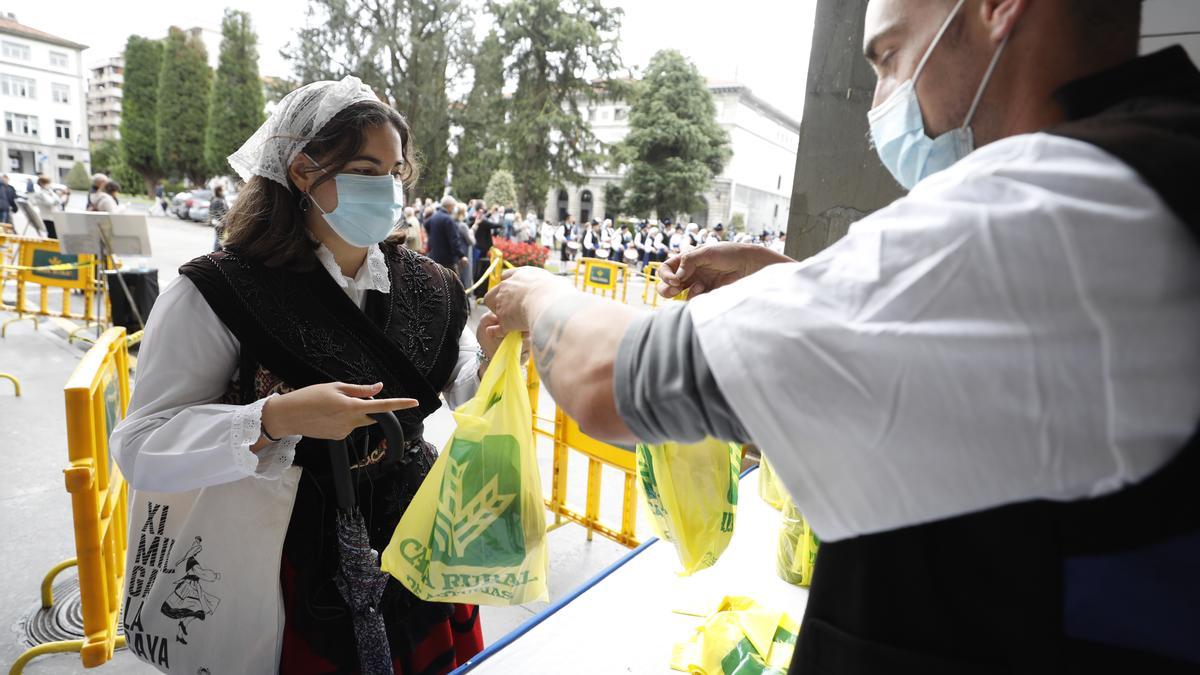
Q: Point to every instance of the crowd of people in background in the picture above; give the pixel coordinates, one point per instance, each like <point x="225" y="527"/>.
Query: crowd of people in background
<point x="459" y="236"/>
<point x="642" y="242"/>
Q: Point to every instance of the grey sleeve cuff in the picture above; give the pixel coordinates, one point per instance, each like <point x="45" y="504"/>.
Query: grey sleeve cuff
<point x="663" y="386"/>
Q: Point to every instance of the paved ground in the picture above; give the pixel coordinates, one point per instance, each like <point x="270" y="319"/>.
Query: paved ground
<point x="35" y="520"/>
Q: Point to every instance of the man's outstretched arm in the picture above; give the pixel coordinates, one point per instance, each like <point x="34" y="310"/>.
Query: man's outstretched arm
<point x="574" y="337"/>
<point x="623" y="374"/>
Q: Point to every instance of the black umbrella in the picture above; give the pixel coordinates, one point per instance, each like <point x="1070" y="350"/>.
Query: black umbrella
<point x="359" y="577"/>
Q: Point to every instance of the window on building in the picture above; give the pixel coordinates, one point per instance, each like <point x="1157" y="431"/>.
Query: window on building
<point x="60" y="93"/>
<point x="14" y="50"/>
<point x="66" y="158"/>
<point x="776" y="212"/>
<point x="22" y="125"/>
<point x="620" y="113"/>
<point x="21" y="87"/>
<point x="779" y="183"/>
<point x="62" y="129"/>
<point x="59" y="60"/>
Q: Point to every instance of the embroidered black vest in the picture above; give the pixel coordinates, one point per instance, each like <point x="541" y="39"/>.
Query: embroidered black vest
<point x="298" y="328"/>
<point x="1097" y="585"/>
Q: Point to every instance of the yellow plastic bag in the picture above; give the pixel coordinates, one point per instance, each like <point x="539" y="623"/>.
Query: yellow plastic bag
<point x="769" y="487"/>
<point x="691" y="492"/>
<point x="476" y="531"/>
<point x="797" y="551"/>
<point x="740" y="638"/>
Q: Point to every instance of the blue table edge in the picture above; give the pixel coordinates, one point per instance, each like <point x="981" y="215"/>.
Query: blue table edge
<point x="516" y="633"/>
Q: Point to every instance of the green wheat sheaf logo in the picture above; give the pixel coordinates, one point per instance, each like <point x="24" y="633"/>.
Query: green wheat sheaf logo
<point x="478" y="541"/>
<point x="476" y="522"/>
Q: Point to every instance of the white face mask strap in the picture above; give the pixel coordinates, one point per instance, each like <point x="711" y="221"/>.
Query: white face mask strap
<point x="936" y="39"/>
<point x="987" y="76"/>
<point x="308" y="192"/>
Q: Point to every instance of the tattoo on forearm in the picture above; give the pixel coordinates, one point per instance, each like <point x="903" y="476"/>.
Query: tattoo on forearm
<point x="548" y="331"/>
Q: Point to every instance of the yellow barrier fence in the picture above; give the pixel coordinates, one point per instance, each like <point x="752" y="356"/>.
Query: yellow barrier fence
<point x="603" y="277"/>
<point x="97" y="397"/>
<point x="567" y="437"/>
<point x="649" y="293"/>
<point x="42" y="262"/>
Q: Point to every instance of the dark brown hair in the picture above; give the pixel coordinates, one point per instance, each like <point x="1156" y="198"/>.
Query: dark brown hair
<point x="266" y="224"/>
<point x="111" y="187"/>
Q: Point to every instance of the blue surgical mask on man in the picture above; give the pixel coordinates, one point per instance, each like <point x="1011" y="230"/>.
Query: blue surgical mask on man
<point x="368" y="207"/>
<point x="898" y="128"/>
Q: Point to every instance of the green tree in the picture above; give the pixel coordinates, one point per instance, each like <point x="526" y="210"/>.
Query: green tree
<point x="501" y="190"/>
<point x="675" y="146"/>
<point x="481" y="118"/>
<point x="555" y="47"/>
<point x="139" y="108"/>
<point x="106" y="156"/>
<point x="78" y="178"/>
<point x="614" y="200"/>
<point x="480" y="149"/>
<point x="184" y="83"/>
<point x="408" y="51"/>
<point x="236" y="108"/>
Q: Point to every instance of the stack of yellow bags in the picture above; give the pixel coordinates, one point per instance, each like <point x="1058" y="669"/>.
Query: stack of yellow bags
<point x="740" y="638"/>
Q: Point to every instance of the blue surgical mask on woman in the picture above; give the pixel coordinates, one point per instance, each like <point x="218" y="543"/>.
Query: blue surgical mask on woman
<point x="898" y="128"/>
<point x="368" y="207"/>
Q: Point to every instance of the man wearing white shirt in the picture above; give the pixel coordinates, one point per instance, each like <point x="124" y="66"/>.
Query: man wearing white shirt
<point x="984" y="397"/>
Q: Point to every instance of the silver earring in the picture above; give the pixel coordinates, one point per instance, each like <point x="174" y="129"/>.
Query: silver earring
<point x="305" y="201"/>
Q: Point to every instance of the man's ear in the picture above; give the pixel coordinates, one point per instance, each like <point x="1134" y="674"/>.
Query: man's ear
<point x="1001" y="16"/>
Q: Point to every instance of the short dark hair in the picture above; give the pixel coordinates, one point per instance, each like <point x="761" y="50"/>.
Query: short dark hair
<point x="1112" y="24"/>
<point x="112" y="187"/>
<point x="218" y="190"/>
<point x="266" y="224"/>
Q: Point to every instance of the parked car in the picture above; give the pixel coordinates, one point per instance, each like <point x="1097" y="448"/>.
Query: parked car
<point x="199" y="212"/>
<point x="184" y="202"/>
<point x="177" y="203"/>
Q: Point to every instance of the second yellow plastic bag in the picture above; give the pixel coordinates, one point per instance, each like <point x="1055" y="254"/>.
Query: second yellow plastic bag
<point x="476" y="530"/>
<point x="796" y="555"/>
<point x="691" y="492"/>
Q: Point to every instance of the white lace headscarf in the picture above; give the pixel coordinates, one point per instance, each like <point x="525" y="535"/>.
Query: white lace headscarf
<point x="296" y="120"/>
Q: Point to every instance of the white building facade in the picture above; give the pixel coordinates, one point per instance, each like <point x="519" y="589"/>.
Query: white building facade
<point x="42" y="99"/>
<point x="756" y="183"/>
<point x="104" y="94"/>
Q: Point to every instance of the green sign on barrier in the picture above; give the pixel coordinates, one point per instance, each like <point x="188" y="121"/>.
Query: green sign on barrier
<point x="44" y="257"/>
<point x="600" y="275"/>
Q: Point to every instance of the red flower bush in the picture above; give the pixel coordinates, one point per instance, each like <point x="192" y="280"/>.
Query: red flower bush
<point x="522" y="255"/>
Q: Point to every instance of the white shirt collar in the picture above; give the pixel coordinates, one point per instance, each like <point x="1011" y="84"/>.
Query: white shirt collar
<point x="371" y="276"/>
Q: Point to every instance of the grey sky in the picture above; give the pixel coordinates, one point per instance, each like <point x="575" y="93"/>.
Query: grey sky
<point x="761" y="43"/>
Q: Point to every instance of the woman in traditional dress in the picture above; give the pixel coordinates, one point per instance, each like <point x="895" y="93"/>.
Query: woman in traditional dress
<point x="299" y="328"/>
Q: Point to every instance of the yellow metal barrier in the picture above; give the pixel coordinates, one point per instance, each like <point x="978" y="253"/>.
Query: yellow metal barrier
<point x="567" y="436"/>
<point x="493" y="270"/>
<point x="604" y="277"/>
<point x="496" y="269"/>
<point x="97" y="397"/>
<point x="42" y="262"/>
<point x="15" y="382"/>
<point x="649" y="293"/>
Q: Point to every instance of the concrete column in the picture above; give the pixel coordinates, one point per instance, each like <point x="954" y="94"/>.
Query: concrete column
<point x="838" y="178"/>
<point x="573" y="202"/>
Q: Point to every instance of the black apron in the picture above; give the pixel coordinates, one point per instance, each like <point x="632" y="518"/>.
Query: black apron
<point x="1110" y="584"/>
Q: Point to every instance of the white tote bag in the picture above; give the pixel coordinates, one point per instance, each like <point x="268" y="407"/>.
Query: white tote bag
<point x="202" y="576"/>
